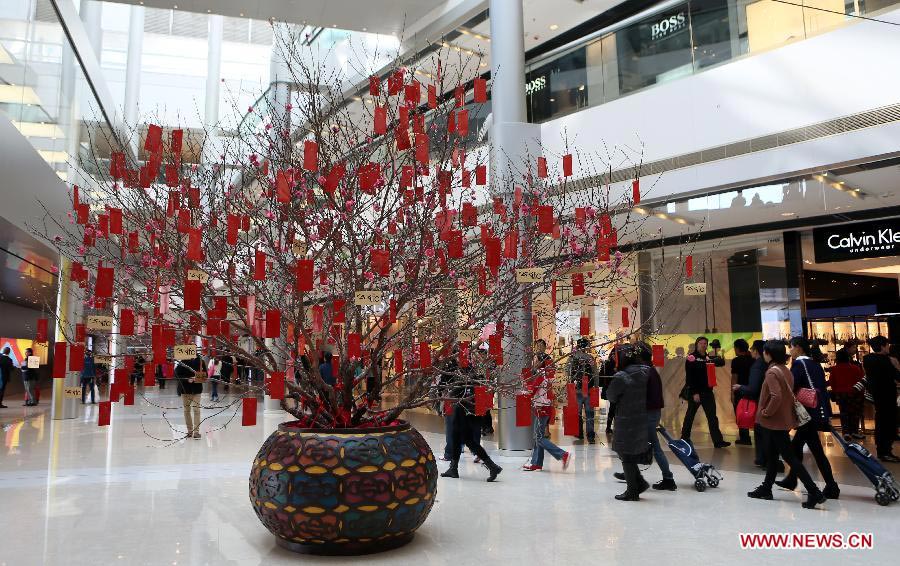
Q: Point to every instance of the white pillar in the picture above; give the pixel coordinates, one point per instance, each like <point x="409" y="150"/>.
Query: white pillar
<point x="69" y="310"/>
<point x="511" y="139"/>
<point x="91" y="14"/>
<point x="133" y="69"/>
<point x="213" y="69"/>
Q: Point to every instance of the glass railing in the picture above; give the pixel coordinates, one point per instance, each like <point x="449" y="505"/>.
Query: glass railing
<point x="674" y="40"/>
<point x="42" y="86"/>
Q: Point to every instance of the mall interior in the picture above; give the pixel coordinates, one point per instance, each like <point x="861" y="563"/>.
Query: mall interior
<point x="206" y="207"/>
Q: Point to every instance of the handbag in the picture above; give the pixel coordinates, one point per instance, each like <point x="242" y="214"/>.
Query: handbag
<point x="746" y="413"/>
<point x="808" y="396"/>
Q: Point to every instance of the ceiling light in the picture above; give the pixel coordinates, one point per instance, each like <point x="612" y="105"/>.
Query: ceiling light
<point x="175" y="7"/>
<point x="364" y="29"/>
<point x="788" y="213"/>
<point x="884" y="269"/>
<point x="554" y="27"/>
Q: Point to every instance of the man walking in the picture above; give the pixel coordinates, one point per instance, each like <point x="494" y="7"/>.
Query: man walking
<point x="583" y="373"/>
<point x="881" y="379"/>
<point x="88" y="373"/>
<point x="6" y="367"/>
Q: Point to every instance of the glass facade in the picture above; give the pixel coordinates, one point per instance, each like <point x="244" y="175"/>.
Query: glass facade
<point x="677" y="42"/>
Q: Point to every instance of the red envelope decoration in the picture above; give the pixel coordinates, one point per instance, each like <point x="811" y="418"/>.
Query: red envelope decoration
<point x="481" y="175"/>
<point x="310" y="155"/>
<point x="273" y="323"/>
<point x="128" y="391"/>
<point x="689" y="266"/>
<point x="567" y="165"/>
<point x="149" y="375"/>
<point x="398" y="361"/>
<point x="424" y="355"/>
<point x="584" y="326"/>
<point x="194" y="248"/>
<point x="259" y="266"/>
<point x="401" y="135"/>
<point x="595" y="397"/>
<point x="459" y="93"/>
<point x="625" y="318"/>
<point x="545" y="218"/>
<point x="636" y="191"/>
<point x="480" y="90"/>
<point x="395" y="82"/>
<point x="41" y="335"/>
<point x="248" y="411"/>
<point x="354" y="348"/>
<point x="80" y="332"/>
<point x="368" y="177"/>
<point x="523" y="409"/>
<point x="469" y="214"/>
<point x="282" y="187"/>
<point x="432" y="96"/>
<point x="115" y="220"/>
<point x="422" y="151"/>
<point x="484" y="400"/>
<point x="659" y="355"/>
<point x="338" y="315"/>
<point x="103" y="413"/>
<point x="276" y="385"/>
<point x="495" y="348"/>
<point x="305" y="271"/>
<point x="462" y="123"/>
<point x="381" y="262"/>
<point x="380" y="115"/>
<point x="577" y="284"/>
<point x="374" y="90"/>
<point x="711" y="374"/>
<point x="570" y="421"/>
<point x="511" y="244"/>
<point x="59" y="360"/>
<point x="192" y="289"/>
<point x="104" y="285"/>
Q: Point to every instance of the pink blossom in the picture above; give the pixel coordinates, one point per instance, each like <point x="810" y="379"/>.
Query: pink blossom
<point x="54" y="269"/>
<point x="429" y="252"/>
<point x="57" y="238"/>
<point x="369" y="275"/>
<point x="81" y="250"/>
<point x="269" y="214"/>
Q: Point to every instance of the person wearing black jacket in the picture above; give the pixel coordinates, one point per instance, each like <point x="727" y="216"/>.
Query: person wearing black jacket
<point x="628" y="389"/>
<point x="751" y="391"/>
<point x="6" y="367"/>
<point x="881" y="381"/>
<point x="466" y="424"/>
<point x="29" y="378"/>
<point x="740" y="375"/>
<point x="583" y="373"/>
<point x="699" y="393"/>
<point x="190" y="374"/>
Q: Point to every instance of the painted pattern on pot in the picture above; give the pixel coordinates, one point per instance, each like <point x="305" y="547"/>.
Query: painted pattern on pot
<point x="357" y="489"/>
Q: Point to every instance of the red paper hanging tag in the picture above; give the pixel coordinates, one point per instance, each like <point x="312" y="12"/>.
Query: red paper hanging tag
<point x="659" y="355"/>
<point x="567" y="165"/>
<point x="380" y="126"/>
<point x="570" y="421"/>
<point x="689" y="266"/>
<point x="310" y="155"/>
<point x="273" y="323"/>
<point x="192" y="289"/>
<point x="571" y="395"/>
<point x="594" y="397"/>
<point x="41" y="334"/>
<point x="625" y="321"/>
<point x="577" y="284"/>
<point x="398" y="361"/>
<point x="104" y="412"/>
<point x="374" y="90"/>
<point x="584" y="326"/>
<point x="305" y="275"/>
<point x="636" y="191"/>
<point x="259" y="266"/>
<point x="59" y="360"/>
<point x="354" y="348"/>
<point x="542" y="167"/>
<point x="128" y="392"/>
<point x="711" y="374"/>
<point x="432" y="96"/>
<point x="424" y="355"/>
<point x="149" y="375"/>
<point x="104" y="286"/>
<point x="523" y="409"/>
<point x="76" y="357"/>
<point x="276" y="385"/>
<point x="484" y="400"/>
<point x="248" y="411"/>
<point x="480" y="90"/>
<point x="462" y="123"/>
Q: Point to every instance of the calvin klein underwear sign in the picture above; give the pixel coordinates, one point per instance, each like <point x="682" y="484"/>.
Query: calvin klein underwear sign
<point x="878" y="238"/>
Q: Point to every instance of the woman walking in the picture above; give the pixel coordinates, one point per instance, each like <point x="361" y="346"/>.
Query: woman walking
<point x="700" y="393"/>
<point x="541" y="382"/>
<point x="214" y="372"/>
<point x="776" y="416"/>
<point x="809" y="375"/>
<point x="842" y="378"/>
<point x="628" y="390"/>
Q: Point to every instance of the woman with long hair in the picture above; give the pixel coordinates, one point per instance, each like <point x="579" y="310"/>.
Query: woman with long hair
<point x="776" y="415"/>
<point x="628" y="390"/>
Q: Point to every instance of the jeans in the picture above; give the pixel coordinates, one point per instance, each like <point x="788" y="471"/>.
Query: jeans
<point x="215" y="389"/>
<point x="448" y="436"/>
<point x="584" y="403"/>
<point x="779" y="442"/>
<point x="191" y="402"/>
<point x="652" y="423"/>
<point x="87" y="384"/>
<point x="708" y="402"/>
<point x="885" y="427"/>
<point x="542" y="443"/>
<point x="29" y="392"/>
<point x="809" y="434"/>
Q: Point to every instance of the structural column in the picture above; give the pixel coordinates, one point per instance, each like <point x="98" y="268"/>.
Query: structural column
<point x="511" y="138"/>
<point x="68" y="311"/>
<point x="133" y="70"/>
<point x="213" y="70"/>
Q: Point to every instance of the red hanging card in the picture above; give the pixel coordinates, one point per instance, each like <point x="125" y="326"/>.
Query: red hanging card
<point x="103" y="413"/>
<point x="463" y="354"/>
<point x="432" y="96"/>
<point x="245" y="223"/>
<point x="192" y="290"/>
<point x="451" y="128"/>
<point x="462" y="123"/>
<point x="511" y="244"/>
<point x="310" y="155"/>
<point x="354" y="348"/>
<point x="401" y="135"/>
<point x="177" y="138"/>
<point x="398" y="361"/>
<point x="570" y="421"/>
<point x="480" y="90"/>
<point x="233" y="223"/>
<point x="571" y="396"/>
<point x="455" y="244"/>
<point x="305" y="271"/>
<point x="276" y="385"/>
<point x="567" y="165"/>
<point x="248" y="411"/>
<point x="689" y="266"/>
<point x="424" y="355"/>
<point x="542" y="167"/>
<point x="484" y="400"/>
<point x="659" y="355"/>
<point x="149" y="374"/>
<point x="374" y="90"/>
<point x="492" y="254"/>
<point x="368" y="177"/>
<point x="481" y="175"/>
<point x="76" y="357"/>
<point x="577" y="284"/>
<point x="153" y="139"/>
<point x="338" y="316"/>
<point x="282" y="187"/>
<point x="259" y="266"/>
<point x="381" y="262"/>
<point x="80" y="332"/>
<point x="392" y="311"/>
<point x="104" y="286"/>
<point x="459" y="93"/>
<point x="595" y="397"/>
<point x="469" y="214"/>
<point x="115" y="220"/>
<point x="380" y="115"/>
<point x="545" y="218"/>
<point x="41" y="334"/>
<point x="523" y="410"/>
<point x="482" y="281"/>
<point x="636" y="191"/>
<point x="711" y="375"/>
<point x="412" y="92"/>
<point x="584" y="326"/>
<point x="59" y="360"/>
<point x="273" y="323"/>
<point x="128" y="391"/>
<point x="625" y="320"/>
<point x="395" y="82"/>
<point x="422" y="151"/>
<point x="133" y="242"/>
<point x="495" y="348"/>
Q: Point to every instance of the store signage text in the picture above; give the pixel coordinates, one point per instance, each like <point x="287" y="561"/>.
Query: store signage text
<point x="535" y="85"/>
<point x="666" y="26"/>
<point x="879" y="238"/>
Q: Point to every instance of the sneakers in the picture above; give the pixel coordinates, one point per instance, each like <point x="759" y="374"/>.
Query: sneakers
<point x="814" y="499"/>
<point x="787" y="483"/>
<point x="761" y="492"/>
<point x="566" y="460"/>
<point x="665" y="484"/>
<point x="831" y="491"/>
<point x="530" y="468"/>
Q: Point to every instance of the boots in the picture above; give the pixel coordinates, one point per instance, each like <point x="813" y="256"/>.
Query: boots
<point x="636" y="483"/>
<point x="453" y="470"/>
<point x="493" y="469"/>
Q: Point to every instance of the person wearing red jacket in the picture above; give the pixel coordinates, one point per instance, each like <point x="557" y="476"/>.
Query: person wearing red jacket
<point x="842" y="377"/>
<point x="540" y="389"/>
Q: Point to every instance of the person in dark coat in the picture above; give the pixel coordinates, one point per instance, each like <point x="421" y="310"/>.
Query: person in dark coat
<point x="809" y="374"/>
<point x="740" y="375"/>
<point x="466" y="424"/>
<point x="628" y="389"/>
<point x="700" y="394"/>
<point x="881" y="380"/>
<point x="6" y="367"/>
<point x="751" y="391"/>
<point x="30" y="379"/>
<point x="583" y="373"/>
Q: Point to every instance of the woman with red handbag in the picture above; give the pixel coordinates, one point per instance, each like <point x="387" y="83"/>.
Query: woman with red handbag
<point x="809" y="388"/>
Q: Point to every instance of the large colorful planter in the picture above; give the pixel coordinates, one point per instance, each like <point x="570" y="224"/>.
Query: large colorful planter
<point x="343" y="491"/>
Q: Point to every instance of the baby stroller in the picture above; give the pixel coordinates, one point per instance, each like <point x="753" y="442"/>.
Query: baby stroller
<point x="886" y="488"/>
<point x="704" y="474"/>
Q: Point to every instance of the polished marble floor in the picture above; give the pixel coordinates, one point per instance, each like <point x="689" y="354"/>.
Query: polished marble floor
<point x="73" y="493"/>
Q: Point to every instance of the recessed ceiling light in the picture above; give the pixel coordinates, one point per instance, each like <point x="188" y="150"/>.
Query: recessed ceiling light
<point x="788" y="213"/>
<point x="554" y="27"/>
<point x="175" y="7"/>
<point x="364" y="29"/>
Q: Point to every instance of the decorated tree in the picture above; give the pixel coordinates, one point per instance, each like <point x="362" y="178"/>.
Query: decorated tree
<point x="370" y="227"/>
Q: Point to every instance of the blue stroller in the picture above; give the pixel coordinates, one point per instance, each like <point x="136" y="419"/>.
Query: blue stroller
<point x="704" y="474"/>
<point x="886" y="488"/>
